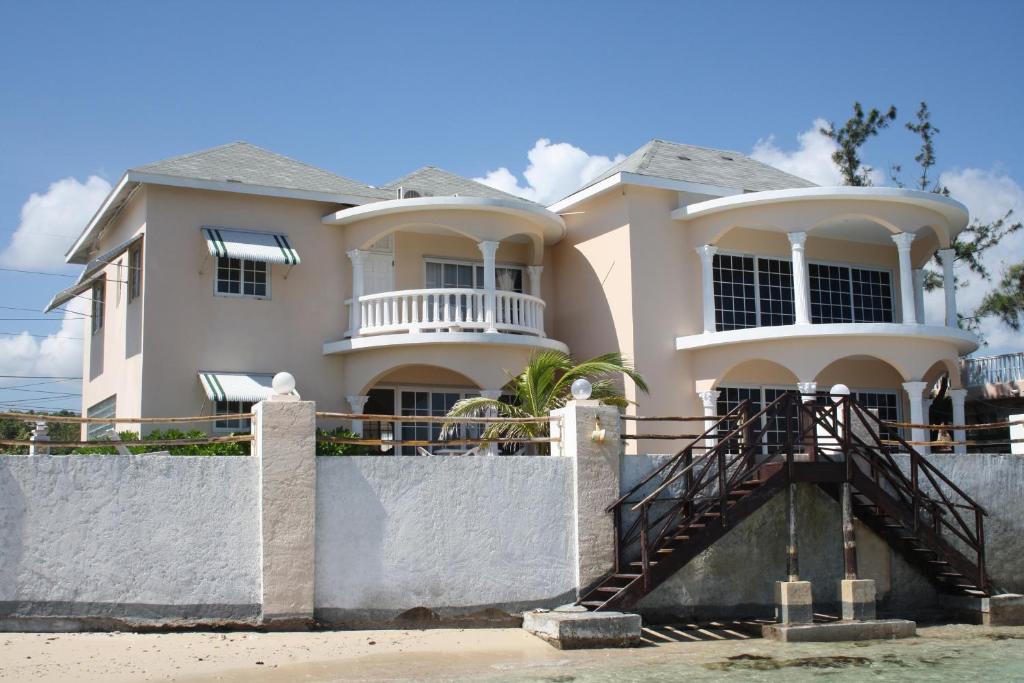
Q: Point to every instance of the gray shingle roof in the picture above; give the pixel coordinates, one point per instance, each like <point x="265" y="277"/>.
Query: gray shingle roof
<point x="436" y="182"/>
<point x="252" y="165"/>
<point x="676" y="161"/>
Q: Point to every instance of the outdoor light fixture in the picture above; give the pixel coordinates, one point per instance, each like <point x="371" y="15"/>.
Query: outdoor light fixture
<point x="597" y="436"/>
<point x="581" y="389"/>
<point x="283" y="385"/>
<point x="839" y="392"/>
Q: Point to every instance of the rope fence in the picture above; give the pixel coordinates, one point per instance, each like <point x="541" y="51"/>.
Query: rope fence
<point x="41" y="417"/>
<point x="437" y="418"/>
<point x="128" y="442"/>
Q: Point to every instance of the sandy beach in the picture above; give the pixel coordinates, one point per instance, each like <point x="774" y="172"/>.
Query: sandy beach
<point x="939" y="653"/>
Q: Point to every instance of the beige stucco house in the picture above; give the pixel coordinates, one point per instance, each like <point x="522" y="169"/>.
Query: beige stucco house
<point x="721" y="277"/>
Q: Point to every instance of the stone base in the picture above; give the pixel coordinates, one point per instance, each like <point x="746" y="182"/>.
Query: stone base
<point x="837" y="631"/>
<point x="577" y="630"/>
<point x="998" y="610"/>
<point x="858" y="598"/>
<point x="793" y="604"/>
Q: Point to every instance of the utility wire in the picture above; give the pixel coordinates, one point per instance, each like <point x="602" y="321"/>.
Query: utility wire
<point x="37" y="377"/>
<point x="36" y="272"/>
<point x="43" y="391"/>
<point x="40" y="336"/>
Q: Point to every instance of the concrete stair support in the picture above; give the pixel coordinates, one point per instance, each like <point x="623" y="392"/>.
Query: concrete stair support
<point x="579" y="630"/>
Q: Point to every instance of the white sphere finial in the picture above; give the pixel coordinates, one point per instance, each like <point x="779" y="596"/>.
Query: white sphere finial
<point x="283" y="383"/>
<point x="839" y="391"/>
<point x="581" y="389"/>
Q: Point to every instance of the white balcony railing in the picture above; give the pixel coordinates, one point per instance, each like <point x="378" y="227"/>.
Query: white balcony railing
<point x="1005" y="369"/>
<point x="432" y="310"/>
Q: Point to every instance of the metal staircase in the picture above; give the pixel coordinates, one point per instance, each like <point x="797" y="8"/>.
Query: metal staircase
<point x="745" y="458"/>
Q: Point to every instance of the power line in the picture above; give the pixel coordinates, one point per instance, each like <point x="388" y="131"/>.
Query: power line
<point x="36" y="272"/>
<point x="37" y="384"/>
<point x="38" y="377"/>
<point x="43" y="391"/>
<point x="18" y="308"/>
<point x="44" y="320"/>
<point x="40" y="336"/>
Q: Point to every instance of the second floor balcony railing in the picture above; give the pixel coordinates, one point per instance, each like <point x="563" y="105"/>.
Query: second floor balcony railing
<point x="446" y="309"/>
<point x="1004" y="369"/>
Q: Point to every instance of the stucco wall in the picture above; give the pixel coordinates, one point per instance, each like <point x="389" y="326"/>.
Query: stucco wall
<point x="103" y="539"/>
<point x="454" y="535"/>
<point x="736" y="576"/>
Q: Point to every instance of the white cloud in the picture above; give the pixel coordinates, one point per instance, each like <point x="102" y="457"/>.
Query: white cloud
<point x="56" y="354"/>
<point x="812" y="159"/>
<point x="988" y="194"/>
<point x="555" y="170"/>
<point x="51" y="221"/>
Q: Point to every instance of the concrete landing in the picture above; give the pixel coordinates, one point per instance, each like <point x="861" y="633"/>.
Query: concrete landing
<point x="578" y="630"/>
<point x="837" y="631"/>
<point x="999" y="610"/>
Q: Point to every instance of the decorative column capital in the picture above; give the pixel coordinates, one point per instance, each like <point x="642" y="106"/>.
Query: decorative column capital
<point x="797" y="239"/>
<point x="535" y="270"/>
<point x="357" y="256"/>
<point x="707" y="252"/>
<point x="488" y="248"/>
<point x="903" y="240"/>
<point x="808" y="391"/>
<point x="957" y="395"/>
<point x="357" y="403"/>
<point x="493" y="394"/>
<point x="709" y="398"/>
<point x="914" y="389"/>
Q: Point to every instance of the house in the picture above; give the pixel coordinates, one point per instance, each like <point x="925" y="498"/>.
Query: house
<point x="722" y="278"/>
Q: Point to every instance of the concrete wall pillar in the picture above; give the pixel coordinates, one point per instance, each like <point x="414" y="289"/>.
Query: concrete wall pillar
<point x="596" y="456"/>
<point x="40" y="440"/>
<point x="801" y="283"/>
<point x="285" y="443"/>
<point x="1017" y="434"/>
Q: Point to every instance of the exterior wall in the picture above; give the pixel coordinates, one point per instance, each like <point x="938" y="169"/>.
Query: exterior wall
<point x="453" y="535"/>
<point x="190" y="329"/>
<point x="110" y="539"/>
<point x="112" y="358"/>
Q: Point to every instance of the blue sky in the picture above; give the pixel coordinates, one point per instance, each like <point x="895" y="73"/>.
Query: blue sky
<point x="373" y="90"/>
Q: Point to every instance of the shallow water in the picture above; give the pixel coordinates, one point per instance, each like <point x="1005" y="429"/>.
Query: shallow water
<point x="947" y="653"/>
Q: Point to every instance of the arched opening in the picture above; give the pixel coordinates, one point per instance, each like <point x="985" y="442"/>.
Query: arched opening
<point x="874" y="383"/>
<point x="757" y="372"/>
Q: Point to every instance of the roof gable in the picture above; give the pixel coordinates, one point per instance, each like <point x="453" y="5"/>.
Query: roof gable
<point x="247" y="164"/>
<point x="435" y="182"/>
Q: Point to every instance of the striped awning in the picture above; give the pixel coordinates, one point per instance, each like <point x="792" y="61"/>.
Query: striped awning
<point x="236" y="386"/>
<point x="269" y="247"/>
<point x="92" y="272"/>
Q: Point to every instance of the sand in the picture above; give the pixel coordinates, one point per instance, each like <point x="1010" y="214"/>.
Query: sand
<point x="672" y="653"/>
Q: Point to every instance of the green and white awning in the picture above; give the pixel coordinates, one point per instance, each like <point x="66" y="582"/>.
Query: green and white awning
<point x="269" y="247"/>
<point x="237" y="386"/>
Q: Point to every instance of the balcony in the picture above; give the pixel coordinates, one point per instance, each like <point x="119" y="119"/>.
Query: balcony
<point x="413" y="311"/>
<point x="994" y="377"/>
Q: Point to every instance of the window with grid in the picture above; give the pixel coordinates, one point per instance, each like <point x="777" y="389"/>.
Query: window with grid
<point x="241" y="277"/>
<point x="729" y="398"/>
<point x="419" y="403"/>
<point x="134" y="272"/>
<point x="105" y="408"/>
<point x="231" y="408"/>
<point x="775" y="292"/>
<point x="841" y="294"/>
<point x="886" y="403"/>
<point x="775" y="425"/>
<point x="471" y="276"/>
<point x="99" y="298"/>
<point x="735" y="293"/>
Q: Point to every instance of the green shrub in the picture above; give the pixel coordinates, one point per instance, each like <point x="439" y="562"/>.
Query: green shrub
<point x="328" y="448"/>
<point x="236" y="448"/>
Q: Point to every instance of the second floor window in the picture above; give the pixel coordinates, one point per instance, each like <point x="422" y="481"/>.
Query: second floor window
<point x="843" y="294"/>
<point x="134" y="272"/>
<point x="242" y="277"/>
<point x="99" y="298"/>
<point x="446" y="274"/>
<point x="752" y="292"/>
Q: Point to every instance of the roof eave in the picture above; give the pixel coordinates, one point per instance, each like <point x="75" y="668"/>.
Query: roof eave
<point x="627" y="178"/>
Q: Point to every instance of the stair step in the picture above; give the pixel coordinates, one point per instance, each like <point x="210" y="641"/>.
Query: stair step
<point x="680" y="538"/>
<point x="652" y="563"/>
<point x="952" y="574"/>
<point x="665" y="551"/>
<point x="712" y="514"/>
<point x="937" y="562"/>
<point x="626" y="576"/>
<point x="893" y="526"/>
<point x="607" y="589"/>
<point x="924" y="550"/>
<point x="591" y="603"/>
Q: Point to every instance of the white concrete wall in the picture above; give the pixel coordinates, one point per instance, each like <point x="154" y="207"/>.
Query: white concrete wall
<point x="454" y="535"/>
<point x="108" y="540"/>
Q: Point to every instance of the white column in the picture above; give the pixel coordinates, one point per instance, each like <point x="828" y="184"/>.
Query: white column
<point x="358" y="258"/>
<point x="535" y="273"/>
<point x="357" y="403"/>
<point x="948" y="257"/>
<point x="801" y="290"/>
<point x="707" y="273"/>
<point x="915" y="394"/>
<point x="919" y="294"/>
<point x="958" y="397"/>
<point x="903" y="241"/>
<point x="709" y="399"/>
<point x="39" y="438"/>
<point x="489" y="249"/>
<point x="494" y="395"/>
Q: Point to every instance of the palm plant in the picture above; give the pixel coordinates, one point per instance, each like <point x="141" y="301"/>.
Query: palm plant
<point x="542" y="386"/>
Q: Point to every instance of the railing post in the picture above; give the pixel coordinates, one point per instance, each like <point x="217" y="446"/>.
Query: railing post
<point x="979" y="532"/>
<point x="915" y="490"/>
<point x="645" y="556"/>
<point x="723" y="493"/>
<point x="688" y="481"/>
